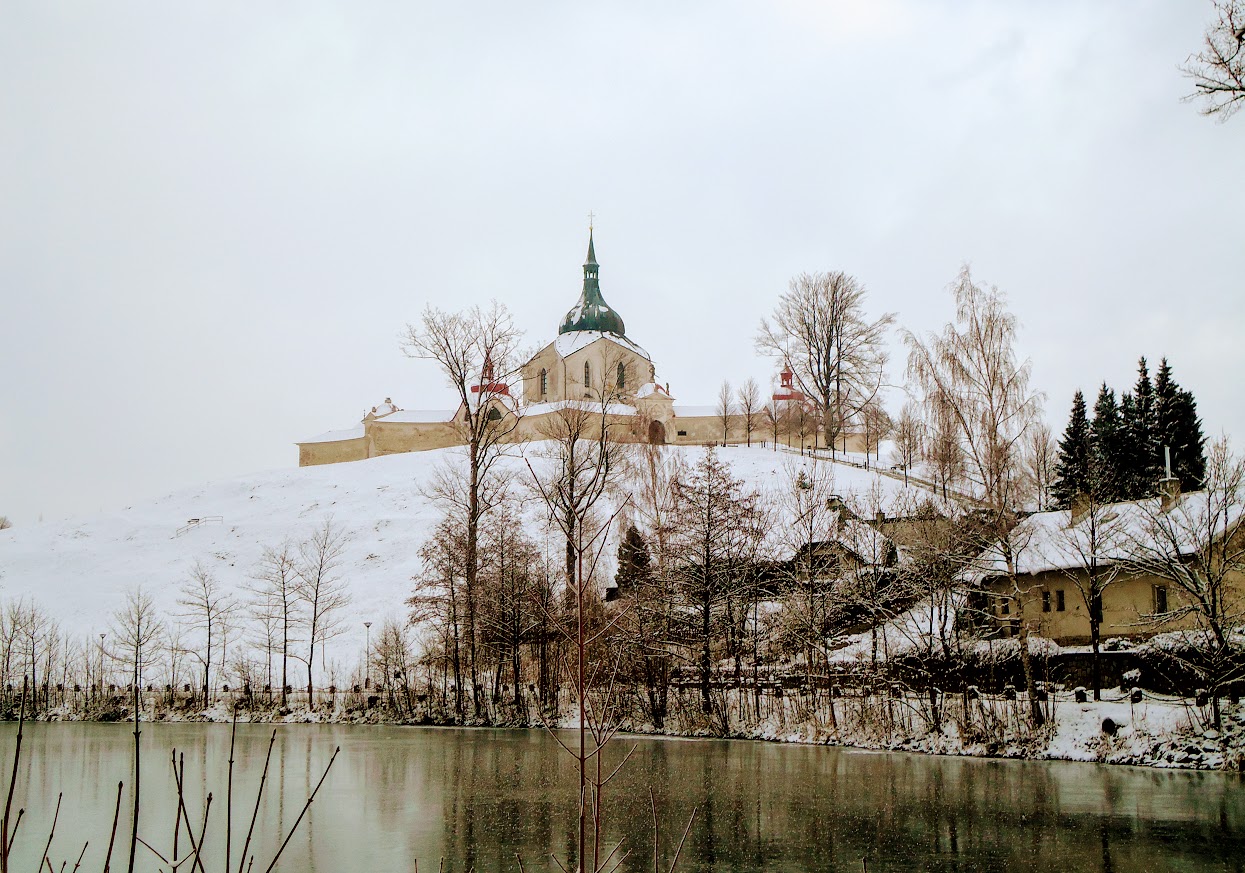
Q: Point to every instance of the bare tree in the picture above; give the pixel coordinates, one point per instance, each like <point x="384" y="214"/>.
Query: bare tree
<point x="207" y="609"/>
<point x="821" y="333"/>
<point x="477" y="352"/>
<point x="909" y="439"/>
<point x="776" y="419"/>
<point x="276" y="603"/>
<point x="1040" y="454"/>
<point x="725" y="409"/>
<point x="1195" y="543"/>
<point x="971" y="380"/>
<point x="878" y="425"/>
<point x="438" y="600"/>
<point x="136" y="635"/>
<point x="1085" y="550"/>
<point x="810" y="506"/>
<point x="749" y="400"/>
<point x="583" y="462"/>
<point x="1218" y="70"/>
<point x="718" y="533"/>
<point x="977" y="395"/>
<point x="322" y="591"/>
<point x="5" y="524"/>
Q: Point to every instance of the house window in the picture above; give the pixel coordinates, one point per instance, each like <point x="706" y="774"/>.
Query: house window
<point x="682" y="433"/>
<point x="587" y="375"/>
<point x="1160" y="599"/>
<point x="622" y="376"/>
<point x="1045" y="600"/>
<point x="544" y="381"/>
<point x="1006" y="608"/>
<point x="1059" y="604"/>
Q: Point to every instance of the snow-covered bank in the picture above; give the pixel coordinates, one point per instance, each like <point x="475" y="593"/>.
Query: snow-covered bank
<point x="1159" y="731"/>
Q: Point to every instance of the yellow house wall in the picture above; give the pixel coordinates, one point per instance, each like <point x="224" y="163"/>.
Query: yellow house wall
<point x="1127" y="608"/>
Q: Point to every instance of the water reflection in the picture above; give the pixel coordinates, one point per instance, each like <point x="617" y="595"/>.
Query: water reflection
<point x="479" y="797"/>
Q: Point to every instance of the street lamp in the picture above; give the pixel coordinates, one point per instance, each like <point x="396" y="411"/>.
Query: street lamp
<point x="367" y="656"/>
<point x="101" y="664"/>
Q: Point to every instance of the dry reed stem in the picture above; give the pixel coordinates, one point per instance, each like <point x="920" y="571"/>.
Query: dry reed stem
<point x="55" y="818"/>
<point x="306" y="806"/>
<point x="259" y="794"/>
<point x="116" y="814"/>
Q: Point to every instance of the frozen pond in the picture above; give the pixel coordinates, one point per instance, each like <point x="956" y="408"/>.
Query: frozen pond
<point x="478" y="797"/>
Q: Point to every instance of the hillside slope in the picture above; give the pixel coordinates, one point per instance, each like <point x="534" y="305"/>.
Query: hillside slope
<point x="80" y="570"/>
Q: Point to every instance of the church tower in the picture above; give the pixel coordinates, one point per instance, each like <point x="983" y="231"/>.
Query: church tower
<point x="592" y="312"/>
<point x="592" y="356"/>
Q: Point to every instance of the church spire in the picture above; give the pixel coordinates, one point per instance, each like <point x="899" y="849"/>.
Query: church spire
<point x="592" y="312"/>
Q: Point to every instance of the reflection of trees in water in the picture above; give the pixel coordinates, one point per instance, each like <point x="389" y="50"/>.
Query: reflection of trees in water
<point x="479" y="796"/>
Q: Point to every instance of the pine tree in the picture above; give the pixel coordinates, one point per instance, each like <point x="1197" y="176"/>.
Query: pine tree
<point x="1178" y="428"/>
<point x="634" y="561"/>
<point x="1072" y="466"/>
<point x="1106" y="464"/>
<point x="1141" y="468"/>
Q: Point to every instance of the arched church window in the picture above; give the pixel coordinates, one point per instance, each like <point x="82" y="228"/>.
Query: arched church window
<point x="544" y="382"/>
<point x="587" y="374"/>
<point x="494" y="414"/>
<point x="622" y="376"/>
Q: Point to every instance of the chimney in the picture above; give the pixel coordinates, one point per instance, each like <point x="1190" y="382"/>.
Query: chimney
<point x="1081" y="504"/>
<point x="1169" y="485"/>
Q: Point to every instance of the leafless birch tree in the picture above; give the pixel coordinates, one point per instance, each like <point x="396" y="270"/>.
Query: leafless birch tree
<point x="725" y="408"/>
<point x="207" y="609"/>
<point x="749" y="406"/>
<point x="477" y="352"/>
<point x="977" y="393"/>
<point x="322" y="591"/>
<point x="275" y="601"/>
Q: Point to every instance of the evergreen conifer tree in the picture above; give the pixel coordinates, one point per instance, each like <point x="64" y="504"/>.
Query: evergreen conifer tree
<point x="634" y="561"/>
<point x="1141" y="455"/>
<point x="1072" y="465"/>
<point x="1106" y="464"/>
<point x="1177" y="427"/>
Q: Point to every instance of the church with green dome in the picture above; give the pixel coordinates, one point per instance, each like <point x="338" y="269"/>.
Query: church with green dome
<point x="590" y="361"/>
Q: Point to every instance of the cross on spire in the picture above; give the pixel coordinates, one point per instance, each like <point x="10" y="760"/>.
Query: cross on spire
<point x="591" y="216"/>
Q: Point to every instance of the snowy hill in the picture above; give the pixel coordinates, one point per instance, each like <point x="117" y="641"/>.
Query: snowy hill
<point x="79" y="571"/>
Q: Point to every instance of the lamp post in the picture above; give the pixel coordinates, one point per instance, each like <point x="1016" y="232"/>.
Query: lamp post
<point x="367" y="656"/>
<point x="101" y="664"/>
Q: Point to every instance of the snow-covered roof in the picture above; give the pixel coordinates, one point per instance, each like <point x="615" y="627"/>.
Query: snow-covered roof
<point x="333" y="436"/>
<point x="588" y="405"/>
<point x="572" y="341"/>
<point x="476" y="397"/>
<point x="387" y="408"/>
<point x="648" y="389"/>
<point x="695" y="411"/>
<point x="1050" y="541"/>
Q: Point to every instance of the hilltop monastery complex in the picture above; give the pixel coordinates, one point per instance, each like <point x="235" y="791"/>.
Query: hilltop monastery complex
<point x="591" y="356"/>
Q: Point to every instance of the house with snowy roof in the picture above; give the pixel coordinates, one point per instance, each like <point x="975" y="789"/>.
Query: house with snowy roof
<point x="590" y="358"/>
<point x="1052" y="563"/>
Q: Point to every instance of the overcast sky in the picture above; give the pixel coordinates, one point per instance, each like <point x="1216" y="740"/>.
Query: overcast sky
<point x="215" y="219"/>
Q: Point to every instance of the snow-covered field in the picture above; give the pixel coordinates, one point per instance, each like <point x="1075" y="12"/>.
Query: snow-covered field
<point x="79" y="571"/>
